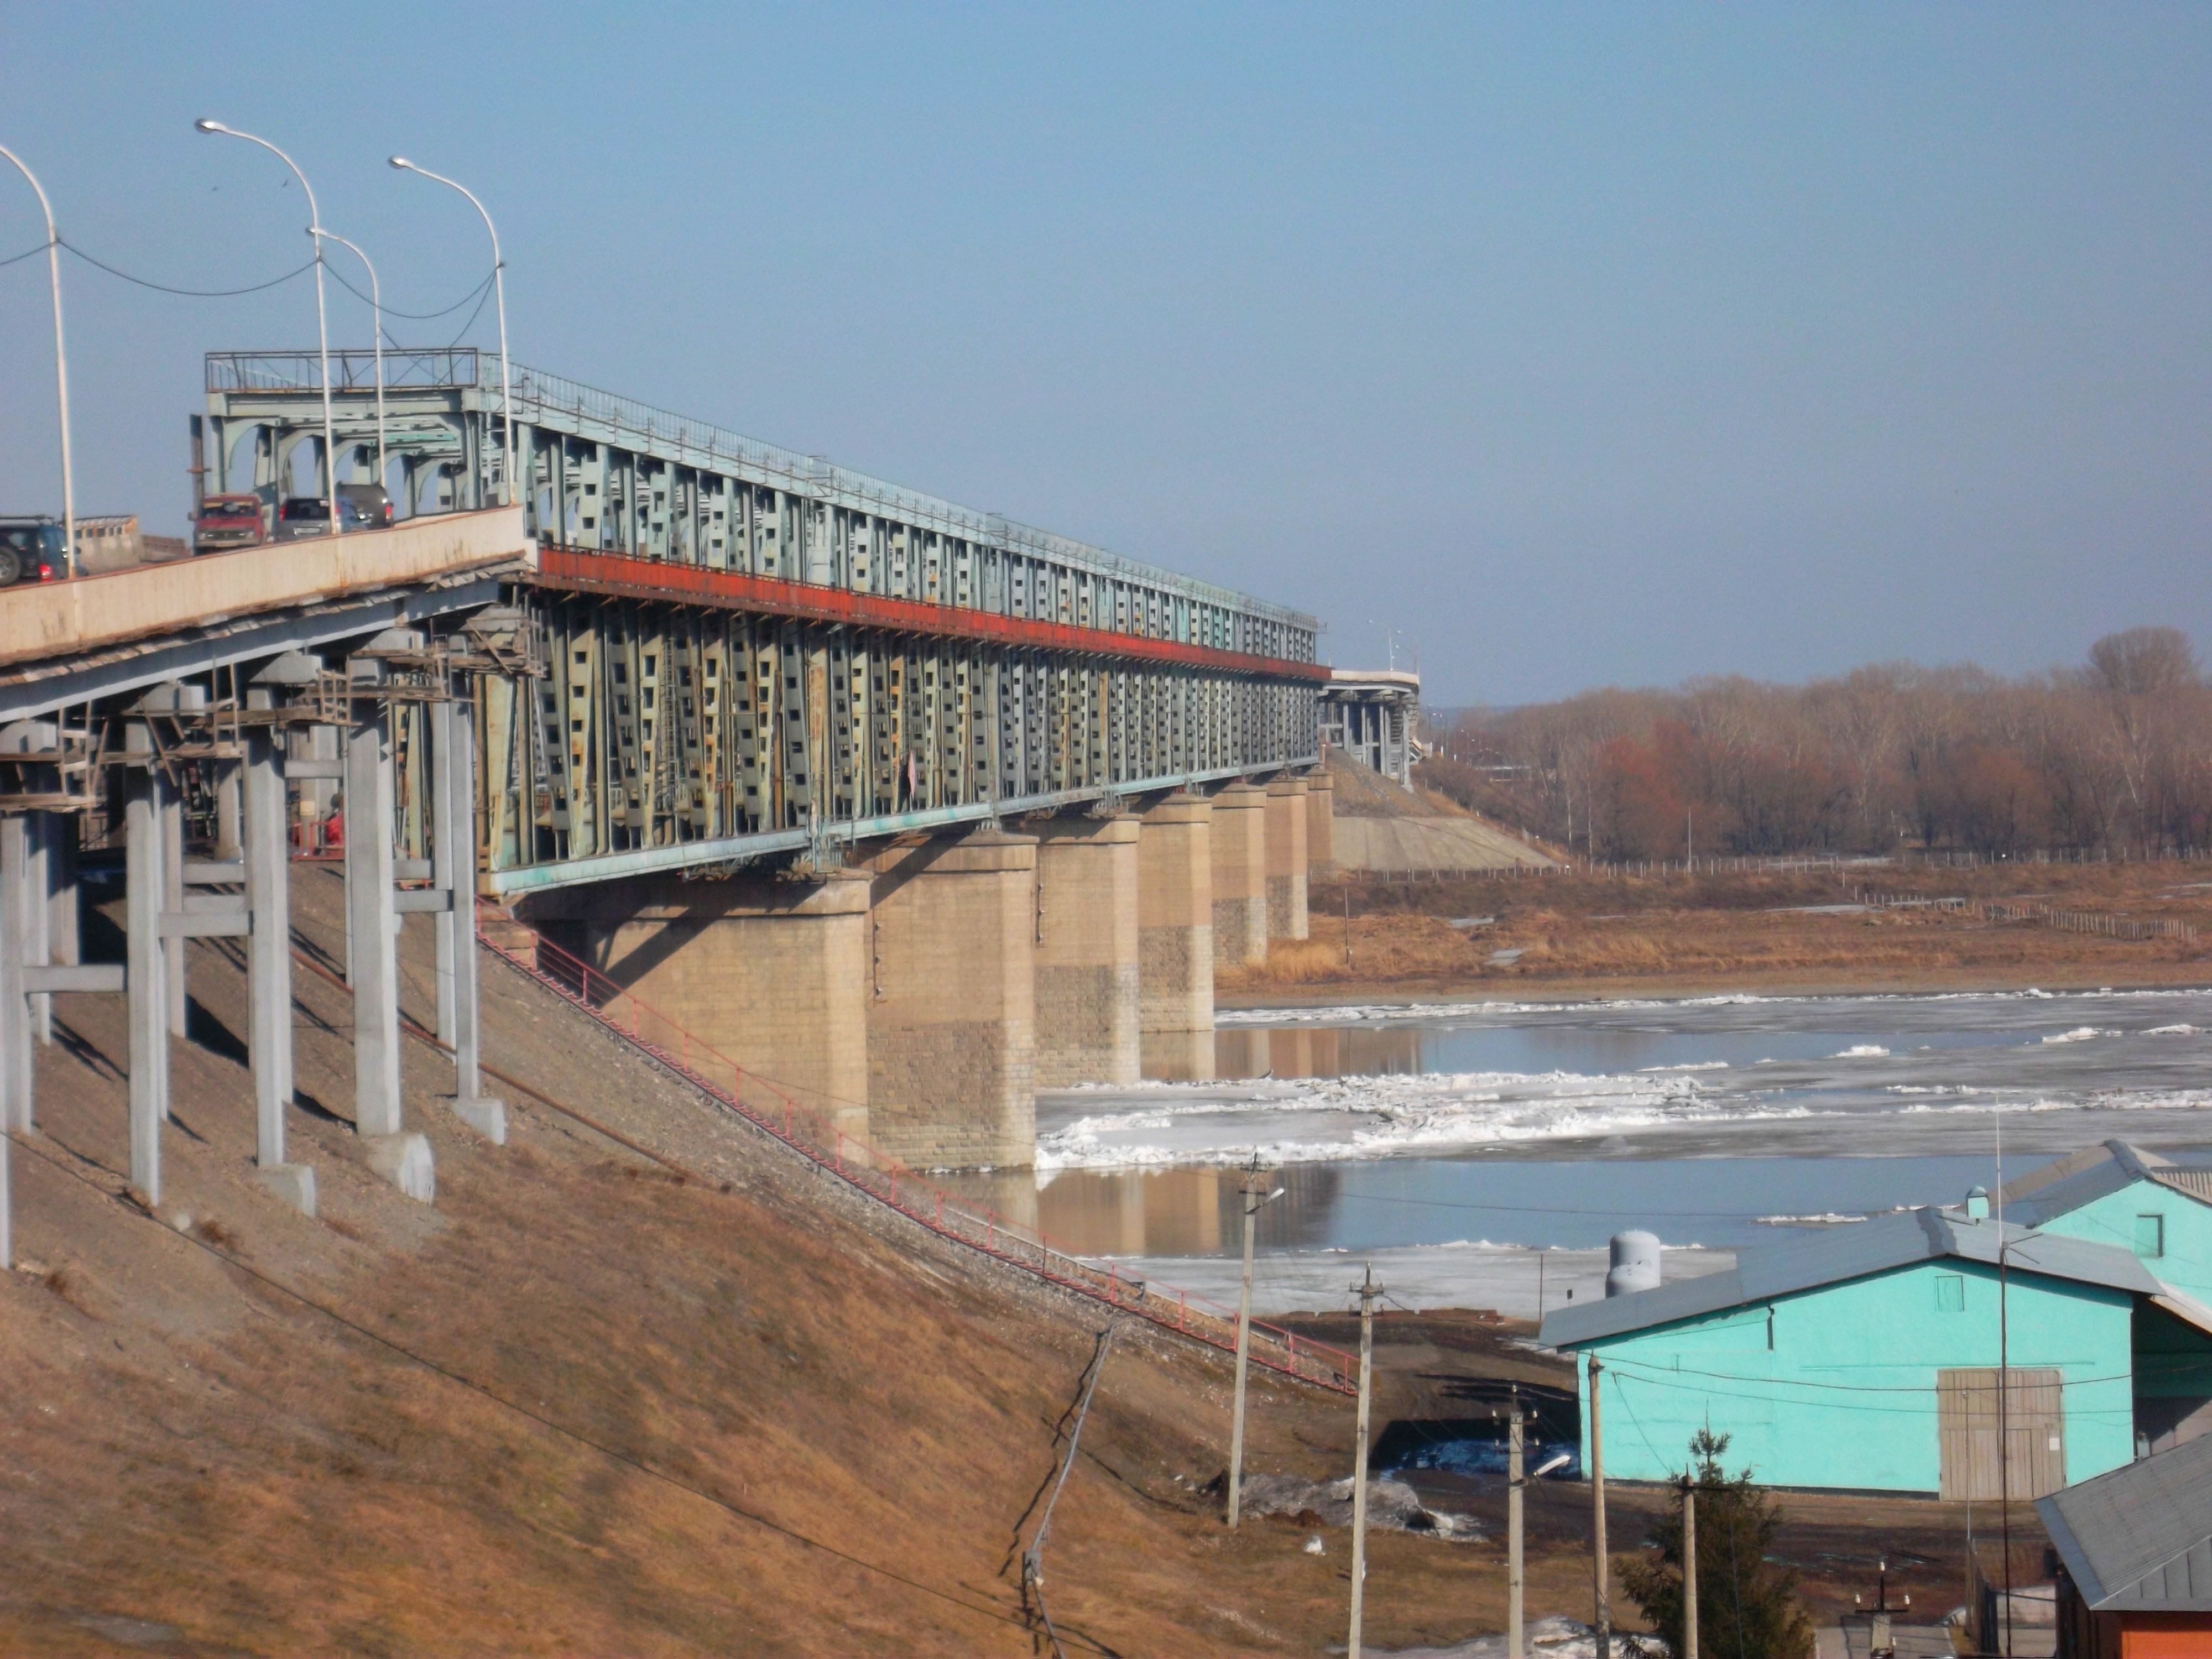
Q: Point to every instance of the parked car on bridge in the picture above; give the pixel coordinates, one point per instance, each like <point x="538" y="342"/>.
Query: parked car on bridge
<point x="31" y="550"/>
<point x="361" y="506"/>
<point x="225" y="522"/>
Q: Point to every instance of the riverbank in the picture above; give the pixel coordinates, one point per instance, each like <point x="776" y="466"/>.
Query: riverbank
<point x="1814" y="933"/>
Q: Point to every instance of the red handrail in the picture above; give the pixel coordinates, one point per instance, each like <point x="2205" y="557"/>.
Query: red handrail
<point x="875" y="1176"/>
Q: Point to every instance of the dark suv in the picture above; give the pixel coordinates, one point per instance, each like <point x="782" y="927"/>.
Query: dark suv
<point x="31" y="551"/>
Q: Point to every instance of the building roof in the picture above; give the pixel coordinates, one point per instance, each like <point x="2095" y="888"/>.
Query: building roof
<point x="2085" y="1176"/>
<point x="1832" y="1255"/>
<point x="1393" y="682"/>
<point x="2139" y="1540"/>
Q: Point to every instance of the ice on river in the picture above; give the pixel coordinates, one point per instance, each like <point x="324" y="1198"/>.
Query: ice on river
<point x="1705" y="1076"/>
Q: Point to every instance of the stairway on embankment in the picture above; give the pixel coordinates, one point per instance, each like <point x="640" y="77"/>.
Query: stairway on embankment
<point x="674" y="1392"/>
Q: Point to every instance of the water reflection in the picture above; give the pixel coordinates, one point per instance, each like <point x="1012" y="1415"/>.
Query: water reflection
<point x="1248" y="1051"/>
<point x="1154" y="1212"/>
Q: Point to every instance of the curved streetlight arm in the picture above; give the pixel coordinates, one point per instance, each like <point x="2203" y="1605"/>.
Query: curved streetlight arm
<point x="376" y="311"/>
<point x="499" y="287"/>
<point x="315" y="234"/>
<point x="61" y="361"/>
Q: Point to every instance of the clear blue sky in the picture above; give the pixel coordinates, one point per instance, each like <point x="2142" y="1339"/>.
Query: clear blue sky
<point x="1585" y="345"/>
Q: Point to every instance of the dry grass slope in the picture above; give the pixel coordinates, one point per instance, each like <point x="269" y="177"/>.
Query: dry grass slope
<point x="587" y="1405"/>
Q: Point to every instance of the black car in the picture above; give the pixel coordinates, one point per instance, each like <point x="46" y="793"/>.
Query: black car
<point x="31" y="551"/>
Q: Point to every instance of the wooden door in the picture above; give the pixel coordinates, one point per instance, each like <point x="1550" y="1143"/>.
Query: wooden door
<point x="1967" y="1412"/>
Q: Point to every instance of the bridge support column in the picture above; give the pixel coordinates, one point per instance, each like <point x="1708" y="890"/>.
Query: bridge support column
<point x="403" y="1159"/>
<point x="18" y="831"/>
<point x="1240" y="876"/>
<point x="453" y="887"/>
<point x="1086" y="952"/>
<point x="145" y="968"/>
<point x="1286" y="859"/>
<point x="773" y="975"/>
<point x="952" y="1027"/>
<point x="1175" y="938"/>
<point x="267" y="849"/>
<point x="1321" y="823"/>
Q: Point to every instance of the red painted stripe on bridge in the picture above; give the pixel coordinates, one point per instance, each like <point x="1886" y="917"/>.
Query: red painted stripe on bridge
<point x="574" y="570"/>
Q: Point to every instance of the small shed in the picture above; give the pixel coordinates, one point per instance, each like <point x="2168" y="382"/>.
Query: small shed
<point x="2135" y="1558"/>
<point x="1867" y="1358"/>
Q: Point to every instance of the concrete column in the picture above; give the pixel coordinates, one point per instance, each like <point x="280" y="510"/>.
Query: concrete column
<point x="1286" y="859"/>
<point x="173" y="900"/>
<point x="453" y="870"/>
<point x="370" y="917"/>
<point x="228" y="808"/>
<point x="144" y="971"/>
<point x="1240" y="876"/>
<point x="773" y="975"/>
<point x="951" y="1025"/>
<point x="16" y="907"/>
<point x="266" y="848"/>
<point x="1086" y="952"/>
<point x="1175" y="938"/>
<point x="1321" y="823"/>
<point x="42" y="829"/>
<point x="15" y="1039"/>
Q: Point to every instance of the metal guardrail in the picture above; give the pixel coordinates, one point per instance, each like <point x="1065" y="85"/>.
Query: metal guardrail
<point x="774" y="1110"/>
<point x="438" y="369"/>
<point x="538" y="394"/>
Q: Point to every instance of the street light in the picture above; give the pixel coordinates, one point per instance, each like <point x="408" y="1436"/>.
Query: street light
<point x="61" y="364"/>
<point x="499" y="286"/>
<point x="322" y="317"/>
<point x="376" y="308"/>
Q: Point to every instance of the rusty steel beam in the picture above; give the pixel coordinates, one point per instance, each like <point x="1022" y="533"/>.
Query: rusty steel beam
<point x="579" y="570"/>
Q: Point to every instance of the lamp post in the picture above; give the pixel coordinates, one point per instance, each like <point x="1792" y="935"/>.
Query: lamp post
<point x="315" y="234"/>
<point x="499" y="288"/>
<point x="61" y="363"/>
<point x="376" y="309"/>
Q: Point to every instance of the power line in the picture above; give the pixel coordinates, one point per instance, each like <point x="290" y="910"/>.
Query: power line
<point x="412" y="316"/>
<point x="189" y="292"/>
<point x="18" y="258"/>
<point x="482" y="295"/>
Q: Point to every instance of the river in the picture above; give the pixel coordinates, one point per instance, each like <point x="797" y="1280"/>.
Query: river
<point x="1481" y="1154"/>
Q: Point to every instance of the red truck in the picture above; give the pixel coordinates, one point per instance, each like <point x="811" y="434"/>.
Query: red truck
<point x="227" y="522"/>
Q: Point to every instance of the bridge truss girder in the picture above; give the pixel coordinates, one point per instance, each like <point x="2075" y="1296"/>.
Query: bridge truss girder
<point x="665" y="728"/>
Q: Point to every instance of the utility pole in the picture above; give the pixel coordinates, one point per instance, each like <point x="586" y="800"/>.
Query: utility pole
<point x="1514" y="1646"/>
<point x="2004" y="1419"/>
<point x="1689" y="1567"/>
<point x="1251" y="1187"/>
<point x="1601" y="1568"/>
<point x="1367" y="1291"/>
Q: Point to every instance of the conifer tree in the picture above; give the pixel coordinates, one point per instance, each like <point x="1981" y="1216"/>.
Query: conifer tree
<point x="1747" y="1606"/>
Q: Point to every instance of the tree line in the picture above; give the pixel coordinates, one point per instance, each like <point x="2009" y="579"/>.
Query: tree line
<point x="2114" y="755"/>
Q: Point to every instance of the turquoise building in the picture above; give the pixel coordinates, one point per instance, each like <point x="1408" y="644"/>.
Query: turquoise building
<point x="1866" y="1357"/>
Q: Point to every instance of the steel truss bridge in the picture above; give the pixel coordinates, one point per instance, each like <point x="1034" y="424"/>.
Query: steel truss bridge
<point x="750" y="652"/>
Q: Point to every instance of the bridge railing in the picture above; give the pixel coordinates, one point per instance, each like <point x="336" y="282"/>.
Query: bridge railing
<point x="539" y="396"/>
<point x="351" y="370"/>
<point x="810" y="1127"/>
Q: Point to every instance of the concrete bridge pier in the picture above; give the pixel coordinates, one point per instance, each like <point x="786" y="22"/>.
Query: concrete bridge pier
<point x="1286" y="859"/>
<point x="1321" y="823"/>
<point x="373" y="923"/>
<point x="1240" y="876"/>
<point x="453" y="899"/>
<point x="146" y="968"/>
<point x="952" y="1018"/>
<point x="772" y="974"/>
<point x="1087" y="992"/>
<point x="1175" y="938"/>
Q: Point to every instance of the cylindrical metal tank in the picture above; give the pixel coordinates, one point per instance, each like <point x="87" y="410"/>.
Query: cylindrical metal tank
<point x="1634" y="1263"/>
